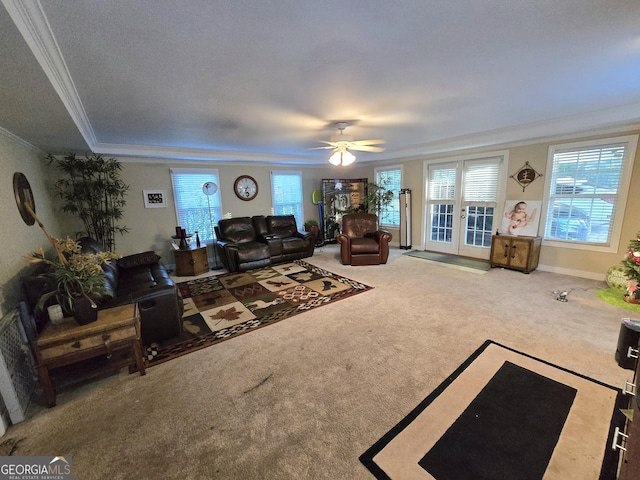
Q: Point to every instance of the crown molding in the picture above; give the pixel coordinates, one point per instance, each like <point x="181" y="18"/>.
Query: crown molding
<point x="31" y="21"/>
<point x="201" y="154"/>
<point x="16" y="139"/>
<point x="618" y="119"/>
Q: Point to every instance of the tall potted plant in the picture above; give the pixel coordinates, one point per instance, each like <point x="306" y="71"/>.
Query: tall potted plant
<point x="92" y="190"/>
<point x="379" y="196"/>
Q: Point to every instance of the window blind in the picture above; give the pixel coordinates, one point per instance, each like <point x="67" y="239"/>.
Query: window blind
<point x="584" y="193"/>
<point x="192" y="205"/>
<point x="481" y="182"/>
<point x="286" y="194"/>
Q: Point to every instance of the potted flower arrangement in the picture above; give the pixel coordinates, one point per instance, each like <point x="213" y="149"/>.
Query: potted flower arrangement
<point x="76" y="279"/>
<point x="631" y="263"/>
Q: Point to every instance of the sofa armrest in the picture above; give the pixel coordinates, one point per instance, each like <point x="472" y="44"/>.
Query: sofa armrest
<point x="382" y="236"/>
<point x="345" y="248"/>
<point x="305" y="235"/>
<point x="161" y="310"/>
<point x="273" y="241"/>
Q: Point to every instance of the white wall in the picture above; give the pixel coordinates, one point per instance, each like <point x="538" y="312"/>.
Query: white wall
<point x="16" y="237"/>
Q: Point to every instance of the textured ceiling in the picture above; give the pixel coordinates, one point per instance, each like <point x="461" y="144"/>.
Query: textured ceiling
<point x="266" y="81"/>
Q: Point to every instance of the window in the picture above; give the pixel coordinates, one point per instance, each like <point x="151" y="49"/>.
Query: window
<point x="587" y="184"/>
<point x="391" y="179"/>
<point x="286" y="194"/>
<point x="192" y="205"/>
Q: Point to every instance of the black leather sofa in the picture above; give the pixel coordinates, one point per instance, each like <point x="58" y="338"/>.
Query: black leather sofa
<point x="138" y="278"/>
<point x="253" y="242"/>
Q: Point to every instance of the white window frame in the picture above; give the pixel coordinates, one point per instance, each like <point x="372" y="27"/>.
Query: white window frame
<point x="396" y="194"/>
<point x="623" y="191"/>
<point x="298" y="173"/>
<point x="216" y="213"/>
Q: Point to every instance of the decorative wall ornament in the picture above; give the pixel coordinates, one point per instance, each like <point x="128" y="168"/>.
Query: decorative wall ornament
<point x="525" y="175"/>
<point x="24" y="196"/>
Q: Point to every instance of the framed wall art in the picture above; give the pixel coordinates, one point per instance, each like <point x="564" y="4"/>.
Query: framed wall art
<point x="154" y="198"/>
<point x="521" y="218"/>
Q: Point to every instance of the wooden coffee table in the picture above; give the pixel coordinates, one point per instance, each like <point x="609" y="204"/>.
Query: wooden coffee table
<point x="59" y="345"/>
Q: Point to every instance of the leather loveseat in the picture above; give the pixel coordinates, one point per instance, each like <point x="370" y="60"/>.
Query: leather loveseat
<point x="253" y="242"/>
<point x="138" y="278"/>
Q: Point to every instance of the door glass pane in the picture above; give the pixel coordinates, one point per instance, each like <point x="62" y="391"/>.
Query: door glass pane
<point x="479" y="226"/>
<point x="441" y="222"/>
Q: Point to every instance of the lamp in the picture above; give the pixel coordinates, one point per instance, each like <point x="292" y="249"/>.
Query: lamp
<point x="341" y="156"/>
<point x="209" y="188"/>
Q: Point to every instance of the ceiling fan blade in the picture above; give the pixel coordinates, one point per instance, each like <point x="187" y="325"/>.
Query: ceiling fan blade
<point x="366" y="148"/>
<point x="376" y="141"/>
<point x="328" y="147"/>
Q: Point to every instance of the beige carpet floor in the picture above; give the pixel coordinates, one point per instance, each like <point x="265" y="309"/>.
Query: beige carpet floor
<point x="303" y="398"/>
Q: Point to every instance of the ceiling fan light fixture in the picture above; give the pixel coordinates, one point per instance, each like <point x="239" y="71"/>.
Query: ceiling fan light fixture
<point x="342" y="156"/>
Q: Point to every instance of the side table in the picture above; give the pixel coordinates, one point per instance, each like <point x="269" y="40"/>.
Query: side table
<point x="191" y="261"/>
<point x="69" y="343"/>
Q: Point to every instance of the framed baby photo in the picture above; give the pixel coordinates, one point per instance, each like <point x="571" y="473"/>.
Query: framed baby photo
<point x="154" y="198"/>
<point x="521" y="218"/>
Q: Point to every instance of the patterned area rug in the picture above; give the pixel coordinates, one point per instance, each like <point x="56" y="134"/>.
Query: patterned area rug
<point x="218" y="308"/>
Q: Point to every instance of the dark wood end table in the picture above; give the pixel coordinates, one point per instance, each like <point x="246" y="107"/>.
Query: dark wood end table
<point x="68" y="343"/>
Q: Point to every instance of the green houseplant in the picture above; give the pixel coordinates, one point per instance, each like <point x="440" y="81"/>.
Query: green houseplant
<point x="92" y="190"/>
<point x="312" y="226"/>
<point x="379" y="196"/>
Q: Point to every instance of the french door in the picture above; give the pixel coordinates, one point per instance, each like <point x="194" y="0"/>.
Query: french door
<point x="461" y="205"/>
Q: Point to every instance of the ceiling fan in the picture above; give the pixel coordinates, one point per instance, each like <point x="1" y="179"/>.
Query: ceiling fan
<point x="341" y="144"/>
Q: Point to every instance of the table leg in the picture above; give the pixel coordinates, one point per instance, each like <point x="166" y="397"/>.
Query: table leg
<point x="48" y="390"/>
<point x="136" y="351"/>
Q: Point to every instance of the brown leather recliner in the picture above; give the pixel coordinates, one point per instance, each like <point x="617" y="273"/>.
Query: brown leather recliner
<point x="361" y="241"/>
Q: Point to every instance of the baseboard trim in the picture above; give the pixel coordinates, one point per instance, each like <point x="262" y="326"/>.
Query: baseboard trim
<point x="572" y="272"/>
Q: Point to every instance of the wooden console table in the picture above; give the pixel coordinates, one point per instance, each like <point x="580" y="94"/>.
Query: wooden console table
<point x="69" y="343"/>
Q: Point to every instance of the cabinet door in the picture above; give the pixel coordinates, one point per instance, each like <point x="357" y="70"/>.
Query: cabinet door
<point x="519" y="255"/>
<point x="200" y="261"/>
<point x="500" y="250"/>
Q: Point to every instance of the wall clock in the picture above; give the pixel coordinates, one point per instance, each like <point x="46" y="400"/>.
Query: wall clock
<point x="246" y="187"/>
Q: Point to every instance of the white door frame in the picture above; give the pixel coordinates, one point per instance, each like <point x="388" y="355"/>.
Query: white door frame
<point x="502" y="187"/>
